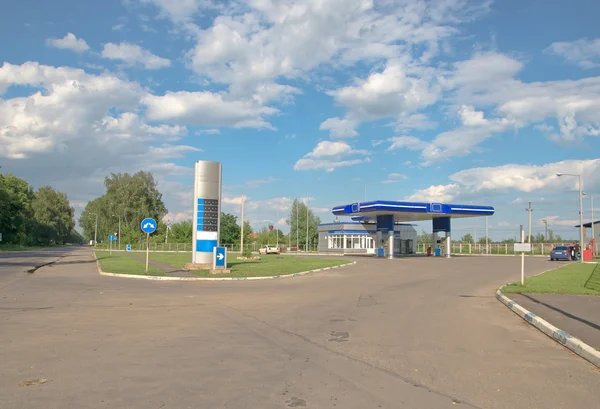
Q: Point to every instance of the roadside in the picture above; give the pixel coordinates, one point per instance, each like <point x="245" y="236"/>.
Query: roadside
<point x="567" y="298"/>
<point x="172" y="264"/>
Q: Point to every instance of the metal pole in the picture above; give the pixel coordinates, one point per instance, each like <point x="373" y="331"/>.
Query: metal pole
<point x="529" y="210"/>
<point x="147" y="250"/>
<point x="593" y="233"/>
<point x="545" y="230"/>
<point x="297" y="211"/>
<point x="487" y="249"/>
<point x="522" y="259"/>
<point x="277" y="229"/>
<point x="119" y="233"/>
<point x="96" y="232"/>
<point x="242" y="232"/>
<point x="290" y="230"/>
<point x="306" y="246"/>
<point x="580" y="219"/>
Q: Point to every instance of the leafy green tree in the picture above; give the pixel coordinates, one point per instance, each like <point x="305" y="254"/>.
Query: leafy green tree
<point x="16" y="214"/>
<point x="128" y="199"/>
<point x="482" y="240"/>
<point x="467" y="238"/>
<point x="266" y="236"/>
<point x="230" y="230"/>
<point x="425" y="238"/>
<point x="300" y="216"/>
<point x="53" y="216"/>
<point x="181" y="232"/>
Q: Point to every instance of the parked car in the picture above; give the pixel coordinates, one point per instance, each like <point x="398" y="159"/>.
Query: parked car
<point x="268" y="250"/>
<point x="560" y="253"/>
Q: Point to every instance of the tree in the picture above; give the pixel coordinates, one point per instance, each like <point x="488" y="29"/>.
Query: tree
<point x="482" y="240"/>
<point x="130" y="199"/>
<point x="230" y="230"/>
<point x="298" y="221"/>
<point x="181" y="232"/>
<point x="266" y="236"/>
<point x="16" y="215"/>
<point x="425" y="238"/>
<point x="467" y="238"/>
<point x="53" y="216"/>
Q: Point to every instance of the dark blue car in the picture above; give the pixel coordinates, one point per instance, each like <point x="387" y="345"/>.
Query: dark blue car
<point x="560" y="253"/>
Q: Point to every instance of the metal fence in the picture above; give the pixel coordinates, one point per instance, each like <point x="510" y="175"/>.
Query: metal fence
<point x="187" y="247"/>
<point x="494" y="248"/>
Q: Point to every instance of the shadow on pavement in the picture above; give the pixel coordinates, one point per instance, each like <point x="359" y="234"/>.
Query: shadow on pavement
<point x="566" y="314"/>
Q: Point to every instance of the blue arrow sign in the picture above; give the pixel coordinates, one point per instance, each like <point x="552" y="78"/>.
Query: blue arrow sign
<point x="149" y="225"/>
<point x="128" y="248"/>
<point x="111" y="238"/>
<point x="220" y="257"/>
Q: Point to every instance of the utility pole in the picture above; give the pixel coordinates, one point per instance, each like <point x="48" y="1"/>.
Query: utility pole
<point x="290" y="224"/>
<point x="306" y="246"/>
<point x="487" y="249"/>
<point x="242" y="232"/>
<point x="593" y="232"/>
<point x="278" y="229"/>
<point x="96" y="231"/>
<point x="545" y="229"/>
<point x="297" y="211"/>
<point x="529" y="210"/>
<point x="119" y="236"/>
<point x="167" y="235"/>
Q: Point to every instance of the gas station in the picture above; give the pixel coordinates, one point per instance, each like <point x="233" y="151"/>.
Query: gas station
<point x="385" y="216"/>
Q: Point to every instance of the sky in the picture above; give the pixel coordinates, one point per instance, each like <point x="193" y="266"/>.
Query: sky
<point x="334" y="101"/>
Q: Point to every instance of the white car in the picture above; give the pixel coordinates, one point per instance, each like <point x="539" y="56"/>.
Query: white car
<point x="268" y="250"/>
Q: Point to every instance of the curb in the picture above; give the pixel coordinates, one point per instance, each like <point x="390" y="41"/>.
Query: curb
<point x="168" y="278"/>
<point x="574" y="344"/>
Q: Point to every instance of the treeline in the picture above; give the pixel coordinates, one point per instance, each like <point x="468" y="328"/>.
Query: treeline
<point x="426" y="238"/>
<point x="128" y="199"/>
<point x="34" y="217"/>
<point x="231" y="229"/>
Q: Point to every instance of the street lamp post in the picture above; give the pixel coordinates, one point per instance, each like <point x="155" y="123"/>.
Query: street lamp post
<point x="593" y="232"/>
<point x="95" y="229"/>
<point x="580" y="211"/>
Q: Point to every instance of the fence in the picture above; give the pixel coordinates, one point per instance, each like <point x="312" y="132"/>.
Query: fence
<point x="187" y="247"/>
<point x="493" y="248"/>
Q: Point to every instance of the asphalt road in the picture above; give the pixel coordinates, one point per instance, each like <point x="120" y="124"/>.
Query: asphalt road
<point x="13" y="263"/>
<point x="410" y="333"/>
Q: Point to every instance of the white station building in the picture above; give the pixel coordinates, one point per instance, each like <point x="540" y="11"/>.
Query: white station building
<point x="383" y="227"/>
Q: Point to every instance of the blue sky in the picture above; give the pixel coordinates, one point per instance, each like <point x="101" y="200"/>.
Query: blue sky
<point x="449" y="100"/>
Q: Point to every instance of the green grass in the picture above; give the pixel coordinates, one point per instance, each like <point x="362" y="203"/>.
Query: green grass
<point x="268" y="266"/>
<point x="593" y="283"/>
<point x="119" y="263"/>
<point x="570" y="279"/>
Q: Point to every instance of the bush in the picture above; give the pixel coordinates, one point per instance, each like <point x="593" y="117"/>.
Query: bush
<point x="247" y="252"/>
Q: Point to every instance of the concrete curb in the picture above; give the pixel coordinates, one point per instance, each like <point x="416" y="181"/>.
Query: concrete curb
<point x="168" y="278"/>
<point x="574" y="344"/>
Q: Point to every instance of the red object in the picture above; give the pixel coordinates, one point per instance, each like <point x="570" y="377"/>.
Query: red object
<point x="587" y="255"/>
<point x="428" y="251"/>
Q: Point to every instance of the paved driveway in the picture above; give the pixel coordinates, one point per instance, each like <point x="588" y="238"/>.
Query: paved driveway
<point x="409" y="333"/>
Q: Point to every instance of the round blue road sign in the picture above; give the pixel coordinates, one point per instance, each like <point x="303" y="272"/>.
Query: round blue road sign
<point x="149" y="225"/>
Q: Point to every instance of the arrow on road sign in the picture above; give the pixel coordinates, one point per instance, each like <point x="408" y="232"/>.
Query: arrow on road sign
<point x="220" y="256"/>
<point x="148" y="225"/>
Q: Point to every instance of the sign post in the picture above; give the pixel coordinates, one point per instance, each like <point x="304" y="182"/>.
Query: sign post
<point x="219" y="258"/>
<point x="148" y="227"/>
<point x="111" y="238"/>
<point x="522" y="248"/>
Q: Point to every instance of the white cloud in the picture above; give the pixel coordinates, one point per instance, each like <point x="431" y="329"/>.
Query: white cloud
<point x="69" y="42"/>
<point x="329" y="155"/>
<point x="406" y="142"/>
<point x="205" y="108"/>
<point x="326" y="164"/>
<point x="584" y="52"/>
<point x="211" y="131"/>
<point x="439" y="193"/>
<point x="180" y="10"/>
<point x="392" y="93"/>
<point x="236" y="200"/>
<point x="133" y="54"/>
<point x="327" y="148"/>
<point x="339" y="127"/>
<point x="393" y="178"/>
<point x="511" y="178"/>
<point x="488" y="80"/>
